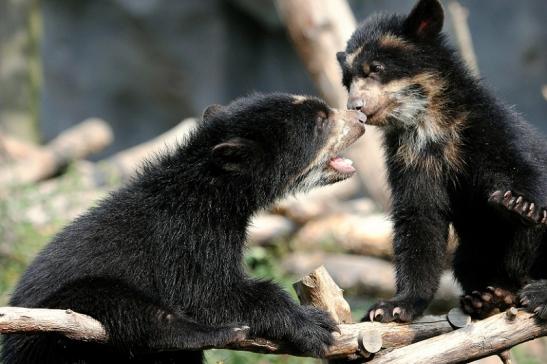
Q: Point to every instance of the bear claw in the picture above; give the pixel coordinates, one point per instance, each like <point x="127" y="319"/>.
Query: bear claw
<point x="488" y="302"/>
<point x="393" y="310"/>
<point x="517" y="204"/>
<point x="533" y="297"/>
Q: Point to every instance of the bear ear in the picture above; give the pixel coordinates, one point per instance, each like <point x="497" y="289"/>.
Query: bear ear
<point x="341" y="57"/>
<point x="211" y="110"/>
<point x="425" y="20"/>
<point x="236" y="154"/>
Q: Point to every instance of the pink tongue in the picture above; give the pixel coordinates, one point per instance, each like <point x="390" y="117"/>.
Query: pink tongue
<point x="341" y="165"/>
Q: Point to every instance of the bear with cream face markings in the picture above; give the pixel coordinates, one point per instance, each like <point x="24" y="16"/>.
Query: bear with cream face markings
<point x="455" y="155"/>
<point x="159" y="262"/>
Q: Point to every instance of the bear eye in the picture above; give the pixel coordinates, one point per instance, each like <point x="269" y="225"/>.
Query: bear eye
<point x="376" y="67"/>
<point x="321" y="122"/>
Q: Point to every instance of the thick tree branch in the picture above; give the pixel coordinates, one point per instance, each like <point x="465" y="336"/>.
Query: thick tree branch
<point x="429" y="340"/>
<point x="477" y="340"/>
<point x="82" y="327"/>
<point x="67" y="322"/>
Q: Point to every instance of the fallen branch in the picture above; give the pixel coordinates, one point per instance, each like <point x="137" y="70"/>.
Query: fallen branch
<point x="88" y="137"/>
<point x="12" y="149"/>
<point x="369" y="234"/>
<point x="125" y="163"/>
<point x="268" y="229"/>
<point x="303" y="210"/>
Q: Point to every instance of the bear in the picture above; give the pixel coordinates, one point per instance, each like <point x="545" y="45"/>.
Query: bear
<point x="455" y="155"/>
<point x="159" y="261"/>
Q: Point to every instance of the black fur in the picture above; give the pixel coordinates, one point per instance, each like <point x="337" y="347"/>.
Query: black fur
<point x="159" y="261"/>
<point x="495" y="151"/>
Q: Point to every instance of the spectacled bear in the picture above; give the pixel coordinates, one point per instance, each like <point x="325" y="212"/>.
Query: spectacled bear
<point x="455" y="155"/>
<point x="159" y="262"/>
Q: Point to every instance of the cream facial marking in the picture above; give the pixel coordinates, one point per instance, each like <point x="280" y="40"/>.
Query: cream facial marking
<point x="299" y="99"/>
<point x="415" y="104"/>
<point x="392" y="41"/>
<point x="351" y="57"/>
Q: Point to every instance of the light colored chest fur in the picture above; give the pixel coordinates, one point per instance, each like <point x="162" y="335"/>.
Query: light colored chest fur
<point x="414" y="147"/>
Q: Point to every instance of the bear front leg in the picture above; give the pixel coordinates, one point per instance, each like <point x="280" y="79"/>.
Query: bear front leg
<point x="137" y="322"/>
<point x="527" y="210"/>
<point x="421" y="233"/>
<point x="271" y="314"/>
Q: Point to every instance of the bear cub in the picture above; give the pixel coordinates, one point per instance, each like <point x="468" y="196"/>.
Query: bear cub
<point x="159" y="262"/>
<point x="455" y="155"/>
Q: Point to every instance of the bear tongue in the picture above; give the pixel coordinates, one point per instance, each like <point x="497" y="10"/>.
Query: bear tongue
<point x="342" y="165"/>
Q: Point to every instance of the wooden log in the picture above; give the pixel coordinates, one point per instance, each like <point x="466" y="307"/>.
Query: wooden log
<point x="88" y="137"/>
<point x="356" y="233"/>
<point x="62" y="205"/>
<point x="14" y="149"/>
<point x="319" y="290"/>
<point x="267" y="229"/>
<point x="319" y="29"/>
<point x="124" y="164"/>
<point x="69" y="323"/>
<point x="348" y="343"/>
<point x="477" y="340"/>
<point x="353" y="231"/>
<point x="303" y="209"/>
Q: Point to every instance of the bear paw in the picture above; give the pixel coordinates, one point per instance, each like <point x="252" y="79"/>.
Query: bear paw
<point x="527" y="210"/>
<point x="489" y="302"/>
<point x="312" y="332"/>
<point x="533" y="297"/>
<point x="399" y="310"/>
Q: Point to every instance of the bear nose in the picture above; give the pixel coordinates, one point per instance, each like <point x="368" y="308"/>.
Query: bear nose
<point x="361" y="117"/>
<point x="355" y="103"/>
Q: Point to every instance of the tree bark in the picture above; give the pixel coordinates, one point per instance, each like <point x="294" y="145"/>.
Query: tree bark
<point x="319" y="290"/>
<point x="69" y="323"/>
<point x="428" y="340"/>
<point x="477" y="340"/>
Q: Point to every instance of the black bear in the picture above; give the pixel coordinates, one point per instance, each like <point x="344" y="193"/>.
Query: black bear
<point x="159" y="262"/>
<point x="454" y="154"/>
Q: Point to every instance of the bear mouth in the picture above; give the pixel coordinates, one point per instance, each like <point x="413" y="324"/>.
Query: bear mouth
<point x="343" y="166"/>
